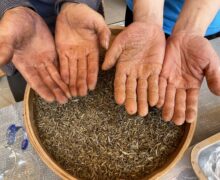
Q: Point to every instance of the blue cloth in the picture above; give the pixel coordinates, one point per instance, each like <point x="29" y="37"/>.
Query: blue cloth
<point x="172" y="9"/>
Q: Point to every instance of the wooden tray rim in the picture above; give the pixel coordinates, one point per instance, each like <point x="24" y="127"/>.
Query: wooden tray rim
<point x="45" y="157"/>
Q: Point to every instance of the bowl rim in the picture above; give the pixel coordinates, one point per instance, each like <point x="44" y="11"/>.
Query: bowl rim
<point x="57" y="169"/>
<point x="196" y="151"/>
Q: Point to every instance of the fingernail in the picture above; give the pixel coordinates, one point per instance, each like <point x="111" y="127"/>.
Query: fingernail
<point x="92" y="87"/>
<point x="63" y="101"/>
<point x="189" y="121"/>
<point x="69" y="95"/>
<point x="67" y="82"/>
<point x="82" y="93"/>
<point x="50" y="100"/>
<point x="73" y="92"/>
<point x="158" y="106"/>
<point x="106" y="44"/>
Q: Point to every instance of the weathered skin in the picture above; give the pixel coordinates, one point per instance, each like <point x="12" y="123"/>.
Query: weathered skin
<point x="79" y="32"/>
<point x="139" y="52"/>
<point x="188" y="59"/>
<point x="26" y="41"/>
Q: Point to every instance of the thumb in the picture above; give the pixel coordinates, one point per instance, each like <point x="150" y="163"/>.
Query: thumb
<point x="103" y="32"/>
<point x="112" y="54"/>
<point x="212" y="73"/>
<point x="104" y="37"/>
<point x="6" y="53"/>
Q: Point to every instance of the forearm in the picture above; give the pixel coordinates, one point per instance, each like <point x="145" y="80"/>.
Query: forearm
<point x="196" y="16"/>
<point x="149" y="11"/>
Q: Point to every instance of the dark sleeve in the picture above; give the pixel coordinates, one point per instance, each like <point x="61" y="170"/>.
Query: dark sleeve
<point x="94" y="4"/>
<point x="5" y="5"/>
<point x="9" y="4"/>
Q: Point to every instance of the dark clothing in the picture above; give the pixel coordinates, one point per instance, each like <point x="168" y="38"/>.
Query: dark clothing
<point x="8" y="4"/>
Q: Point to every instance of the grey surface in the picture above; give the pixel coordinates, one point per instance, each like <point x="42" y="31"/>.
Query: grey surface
<point x="14" y="115"/>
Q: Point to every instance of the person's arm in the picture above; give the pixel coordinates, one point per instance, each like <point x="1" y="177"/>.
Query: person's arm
<point x="196" y="16"/>
<point x="188" y="59"/>
<point x="148" y="11"/>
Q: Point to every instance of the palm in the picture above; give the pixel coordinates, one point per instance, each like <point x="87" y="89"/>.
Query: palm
<point x="139" y="50"/>
<point x="143" y="47"/>
<point x="188" y="59"/>
<point x="30" y="54"/>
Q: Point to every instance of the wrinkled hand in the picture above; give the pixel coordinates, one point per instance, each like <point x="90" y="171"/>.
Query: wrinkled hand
<point x="79" y="32"/>
<point x="139" y="50"/>
<point x="27" y="42"/>
<point x="188" y="59"/>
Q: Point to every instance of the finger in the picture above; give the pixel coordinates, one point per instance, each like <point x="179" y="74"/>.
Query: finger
<point x="180" y="107"/>
<point x="213" y="76"/>
<point x="93" y="68"/>
<point x="73" y="76"/>
<point x="212" y="70"/>
<point x="142" y="97"/>
<point x="56" y="77"/>
<point x="162" y="91"/>
<point x="153" y="95"/>
<point x="119" y="86"/>
<point x="32" y="77"/>
<point x="103" y="32"/>
<point x="191" y="105"/>
<point x="168" y="108"/>
<point x="64" y="68"/>
<point x="45" y="76"/>
<point x="81" y="77"/>
<point x="6" y="53"/>
<point x="131" y="98"/>
<point x="112" y="54"/>
<point x="104" y="37"/>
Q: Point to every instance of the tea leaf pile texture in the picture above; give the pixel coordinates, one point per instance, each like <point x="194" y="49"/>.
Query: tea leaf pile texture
<point x="93" y="138"/>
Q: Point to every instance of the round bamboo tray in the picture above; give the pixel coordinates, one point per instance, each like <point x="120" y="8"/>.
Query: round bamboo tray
<point x="46" y="158"/>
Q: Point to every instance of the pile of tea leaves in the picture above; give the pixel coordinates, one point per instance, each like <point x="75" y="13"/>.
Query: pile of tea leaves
<point x="93" y="138"/>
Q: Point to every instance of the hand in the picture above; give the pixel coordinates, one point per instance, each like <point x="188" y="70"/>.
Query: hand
<point x="79" y="31"/>
<point x="139" y="50"/>
<point x="188" y="59"/>
<point x="26" y="40"/>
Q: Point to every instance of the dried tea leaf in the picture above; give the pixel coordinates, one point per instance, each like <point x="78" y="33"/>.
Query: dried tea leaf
<point x="93" y="138"/>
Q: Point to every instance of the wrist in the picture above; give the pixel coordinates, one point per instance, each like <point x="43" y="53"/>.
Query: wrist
<point x="196" y="17"/>
<point x="146" y="11"/>
<point x="149" y="19"/>
<point x="190" y="27"/>
<point x="67" y="4"/>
